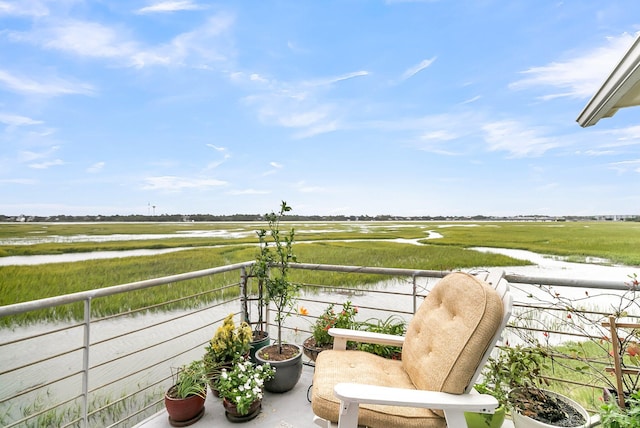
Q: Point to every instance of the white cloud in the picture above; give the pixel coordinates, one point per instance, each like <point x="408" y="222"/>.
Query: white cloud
<point x="46" y="164"/>
<point x="96" y="167"/>
<point x="96" y="40"/>
<point x="412" y="71"/>
<point x="32" y="8"/>
<point x="303" y="187"/>
<point x="517" y="139"/>
<point x="276" y="165"/>
<point x="174" y="183"/>
<point x="52" y="87"/>
<point x="216" y="148"/>
<point x="16" y="120"/>
<point x="248" y="192"/>
<point x="25" y="181"/>
<point x="28" y="156"/>
<point x="171" y="6"/>
<point x="580" y="76"/>
<point x="87" y="39"/>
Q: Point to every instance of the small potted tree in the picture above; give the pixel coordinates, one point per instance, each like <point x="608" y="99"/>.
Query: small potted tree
<point x="185" y="399"/>
<point x="272" y="268"/>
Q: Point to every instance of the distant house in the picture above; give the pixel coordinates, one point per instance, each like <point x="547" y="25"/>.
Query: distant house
<point x="621" y="89"/>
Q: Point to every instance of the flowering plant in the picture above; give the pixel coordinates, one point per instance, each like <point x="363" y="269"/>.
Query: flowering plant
<point x="243" y="384"/>
<point x="229" y="343"/>
<point x="329" y="319"/>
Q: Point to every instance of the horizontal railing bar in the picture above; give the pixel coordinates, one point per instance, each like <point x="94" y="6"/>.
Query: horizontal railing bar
<point x="567" y="282"/>
<point x="40" y="386"/>
<point x="42" y="360"/>
<point x="44" y="333"/>
<point x="48" y="302"/>
<point x="161" y="322"/>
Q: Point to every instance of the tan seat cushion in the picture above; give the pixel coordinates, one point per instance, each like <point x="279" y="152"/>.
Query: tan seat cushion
<point x="333" y="367"/>
<point x="444" y="344"/>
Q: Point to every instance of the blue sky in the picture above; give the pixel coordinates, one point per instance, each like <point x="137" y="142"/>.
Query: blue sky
<point x="338" y="107"/>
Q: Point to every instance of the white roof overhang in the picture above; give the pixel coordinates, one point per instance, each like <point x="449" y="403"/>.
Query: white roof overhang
<point x="621" y="89"/>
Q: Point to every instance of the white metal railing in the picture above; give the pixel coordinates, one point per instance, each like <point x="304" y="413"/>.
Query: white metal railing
<point x="113" y="371"/>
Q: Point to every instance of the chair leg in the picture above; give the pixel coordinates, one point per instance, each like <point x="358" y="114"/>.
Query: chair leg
<point x="455" y="418"/>
<point x="348" y="417"/>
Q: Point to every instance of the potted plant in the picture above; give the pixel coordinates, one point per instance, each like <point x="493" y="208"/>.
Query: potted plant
<point x="185" y="399"/>
<point x="241" y="389"/>
<point x="228" y="344"/>
<point x="532" y="406"/>
<point x="272" y="268"/>
<point x="320" y="338"/>
<point x="613" y="416"/>
<point x="513" y="376"/>
<point x="609" y="344"/>
<point x="392" y="325"/>
<point x="506" y="368"/>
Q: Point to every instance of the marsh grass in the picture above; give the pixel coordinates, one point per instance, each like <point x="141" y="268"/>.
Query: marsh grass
<point x="25" y="283"/>
<point x="615" y="241"/>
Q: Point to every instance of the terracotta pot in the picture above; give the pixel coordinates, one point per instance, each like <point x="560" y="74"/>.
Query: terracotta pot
<point x="232" y="414"/>
<point x="184" y="411"/>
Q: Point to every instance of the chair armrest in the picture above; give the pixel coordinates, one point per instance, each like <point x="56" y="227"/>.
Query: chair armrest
<point x="342" y="335"/>
<point x="372" y="394"/>
<point x="351" y="395"/>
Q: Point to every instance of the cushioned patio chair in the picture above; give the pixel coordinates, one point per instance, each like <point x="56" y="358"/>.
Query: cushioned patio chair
<point x="446" y="345"/>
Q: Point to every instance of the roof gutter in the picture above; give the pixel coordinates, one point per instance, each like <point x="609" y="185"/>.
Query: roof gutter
<point x="622" y="79"/>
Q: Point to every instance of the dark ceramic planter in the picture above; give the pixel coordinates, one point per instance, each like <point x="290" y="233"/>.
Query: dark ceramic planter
<point x="287" y="372"/>
<point x="260" y="340"/>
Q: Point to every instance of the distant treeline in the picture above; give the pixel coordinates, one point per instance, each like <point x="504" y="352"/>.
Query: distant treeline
<point x="259" y="217"/>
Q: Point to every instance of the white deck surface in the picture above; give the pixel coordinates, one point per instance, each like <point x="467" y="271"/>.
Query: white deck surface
<point x="288" y="410"/>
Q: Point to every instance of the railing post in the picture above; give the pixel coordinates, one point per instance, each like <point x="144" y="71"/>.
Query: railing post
<point x="414" y="280"/>
<point x="85" y="361"/>
<point x="244" y="308"/>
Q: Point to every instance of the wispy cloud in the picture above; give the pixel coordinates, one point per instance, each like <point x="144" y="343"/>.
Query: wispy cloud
<point x="412" y="71"/>
<point x="116" y="42"/>
<point x="25" y="181"/>
<point x="216" y="148"/>
<point x="32" y="8"/>
<point x="518" y="139"/>
<point x="580" y="76"/>
<point x="174" y="183"/>
<point x="625" y="166"/>
<point x="96" y="167"/>
<point x="46" y="164"/>
<point x="47" y="86"/>
<point x="17" y="120"/>
<point x="171" y="6"/>
<point x="248" y="192"/>
<point x="303" y="187"/>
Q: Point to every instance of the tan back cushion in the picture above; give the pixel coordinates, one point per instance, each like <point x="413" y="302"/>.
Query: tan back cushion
<point x="450" y="332"/>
